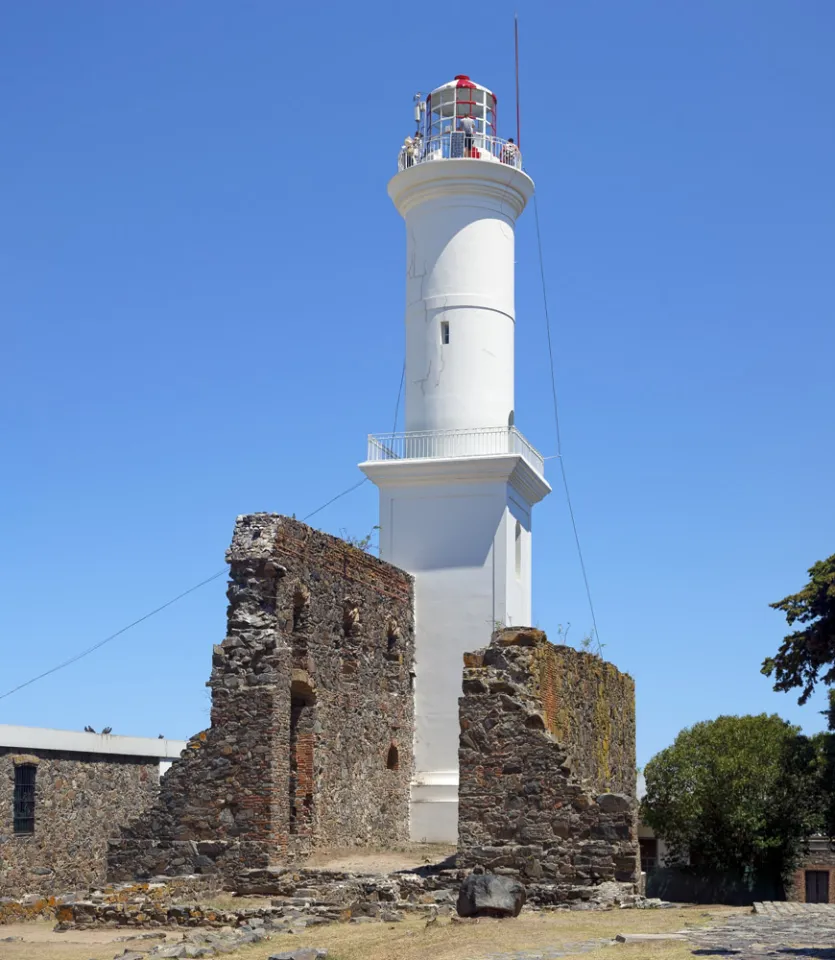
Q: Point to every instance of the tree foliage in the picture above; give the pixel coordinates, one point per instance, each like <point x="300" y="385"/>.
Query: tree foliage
<point x="806" y="652"/>
<point x="825" y="744"/>
<point x="736" y="794"/>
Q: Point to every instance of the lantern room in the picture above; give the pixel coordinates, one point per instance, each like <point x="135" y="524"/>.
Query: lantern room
<point x="457" y="120"/>
<point x="448" y="105"/>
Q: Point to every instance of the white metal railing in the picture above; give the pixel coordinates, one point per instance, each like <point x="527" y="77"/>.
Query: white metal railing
<point x="454" y="144"/>
<point x="434" y="444"/>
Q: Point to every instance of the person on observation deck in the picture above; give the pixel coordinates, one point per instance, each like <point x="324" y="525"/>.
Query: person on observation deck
<point x="467" y="124"/>
<point x="510" y="152"/>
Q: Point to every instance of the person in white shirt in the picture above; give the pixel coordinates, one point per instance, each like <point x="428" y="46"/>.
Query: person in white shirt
<point x="467" y="124"/>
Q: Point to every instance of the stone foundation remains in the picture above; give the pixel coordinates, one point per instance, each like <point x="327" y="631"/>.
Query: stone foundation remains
<point x="547" y="767"/>
<point x="311" y="731"/>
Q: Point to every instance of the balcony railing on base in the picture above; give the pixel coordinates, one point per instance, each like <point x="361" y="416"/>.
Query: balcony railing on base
<point x="438" y="444"/>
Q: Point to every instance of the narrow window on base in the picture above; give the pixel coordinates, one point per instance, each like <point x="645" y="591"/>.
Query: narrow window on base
<point x="518" y="546"/>
<point x="444" y="331"/>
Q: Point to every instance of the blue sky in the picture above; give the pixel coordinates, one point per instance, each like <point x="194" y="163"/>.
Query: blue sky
<point x="202" y="285"/>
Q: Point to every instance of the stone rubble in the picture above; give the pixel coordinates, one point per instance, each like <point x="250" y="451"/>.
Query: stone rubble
<point x="305" y="953"/>
<point x="170" y="889"/>
<point x="300" y="899"/>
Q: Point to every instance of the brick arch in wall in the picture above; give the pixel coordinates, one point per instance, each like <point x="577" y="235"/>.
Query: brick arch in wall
<point x="302" y="750"/>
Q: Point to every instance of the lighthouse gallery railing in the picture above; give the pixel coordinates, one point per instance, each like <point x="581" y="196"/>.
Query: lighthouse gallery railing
<point x="454" y="144"/>
<point x="436" y="444"/>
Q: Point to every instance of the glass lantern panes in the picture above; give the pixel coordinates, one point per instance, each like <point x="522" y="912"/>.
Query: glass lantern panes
<point x="447" y="106"/>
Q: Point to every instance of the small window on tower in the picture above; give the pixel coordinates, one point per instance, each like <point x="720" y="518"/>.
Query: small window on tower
<point x="445" y="331"/>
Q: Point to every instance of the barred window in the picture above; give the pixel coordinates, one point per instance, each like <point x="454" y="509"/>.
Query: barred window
<point x="24" y="798"/>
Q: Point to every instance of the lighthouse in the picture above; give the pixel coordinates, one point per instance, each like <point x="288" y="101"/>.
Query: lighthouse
<point x="458" y="486"/>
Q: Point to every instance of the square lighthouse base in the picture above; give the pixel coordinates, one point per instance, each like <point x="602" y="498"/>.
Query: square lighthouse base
<point x="462" y="527"/>
<point x="433" y="810"/>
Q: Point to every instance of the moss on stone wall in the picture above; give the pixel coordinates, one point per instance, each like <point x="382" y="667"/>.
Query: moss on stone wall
<point x="588" y="706"/>
<point x="547" y="766"/>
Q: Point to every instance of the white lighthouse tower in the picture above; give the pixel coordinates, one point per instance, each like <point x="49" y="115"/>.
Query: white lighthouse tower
<point x="458" y="486"/>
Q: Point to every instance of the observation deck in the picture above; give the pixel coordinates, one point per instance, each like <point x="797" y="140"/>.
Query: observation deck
<point x="455" y="144"/>
<point x="454" y="444"/>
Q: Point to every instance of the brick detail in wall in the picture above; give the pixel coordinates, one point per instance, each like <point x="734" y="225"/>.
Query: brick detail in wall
<point x="302" y="747"/>
<point x="310" y="689"/>
<point x="819" y="858"/>
<point x="547" y="765"/>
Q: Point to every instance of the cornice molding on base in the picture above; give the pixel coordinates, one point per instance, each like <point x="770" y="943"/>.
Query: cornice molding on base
<point x="509" y="468"/>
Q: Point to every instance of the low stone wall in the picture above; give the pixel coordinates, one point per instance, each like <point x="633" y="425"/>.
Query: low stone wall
<point x="148" y="914"/>
<point x="166" y="890"/>
<point x="301" y="898"/>
<point x="547" y="768"/>
<point x="30" y="907"/>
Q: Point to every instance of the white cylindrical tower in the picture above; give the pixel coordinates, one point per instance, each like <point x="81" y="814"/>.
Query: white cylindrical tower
<point x="460" y="219"/>
<point x="458" y="485"/>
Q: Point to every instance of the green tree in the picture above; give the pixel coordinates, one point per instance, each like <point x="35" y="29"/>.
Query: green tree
<point x="825" y="744"/>
<point x="804" y="653"/>
<point x="736" y="795"/>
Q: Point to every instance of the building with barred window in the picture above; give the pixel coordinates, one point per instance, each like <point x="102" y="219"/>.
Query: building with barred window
<point x="61" y="793"/>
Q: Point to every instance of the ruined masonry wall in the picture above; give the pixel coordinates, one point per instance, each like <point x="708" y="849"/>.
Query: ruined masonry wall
<point x="312" y="717"/>
<point x="547" y="767"/>
<point x="78" y="798"/>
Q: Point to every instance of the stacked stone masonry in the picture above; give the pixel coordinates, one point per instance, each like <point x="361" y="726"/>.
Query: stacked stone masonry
<point x="311" y="700"/>
<point x="78" y="798"/>
<point x="547" y="767"/>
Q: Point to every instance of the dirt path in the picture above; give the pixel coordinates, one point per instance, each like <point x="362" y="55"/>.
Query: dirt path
<point x="38" y="941"/>
<point x="405" y="857"/>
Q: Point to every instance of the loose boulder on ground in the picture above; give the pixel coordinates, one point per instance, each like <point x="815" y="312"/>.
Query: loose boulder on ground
<point x="487" y="895"/>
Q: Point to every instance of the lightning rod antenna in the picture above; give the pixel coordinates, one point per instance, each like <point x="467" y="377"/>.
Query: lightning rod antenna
<point x="518" y="116"/>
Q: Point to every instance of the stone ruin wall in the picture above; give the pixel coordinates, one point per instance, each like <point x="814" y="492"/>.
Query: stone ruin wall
<point x="78" y="798"/>
<point x="547" y="767"/>
<point x="311" y="730"/>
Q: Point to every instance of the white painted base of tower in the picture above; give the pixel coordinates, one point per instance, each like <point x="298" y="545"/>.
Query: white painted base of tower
<point x="461" y="527"/>
<point x="434" y="808"/>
